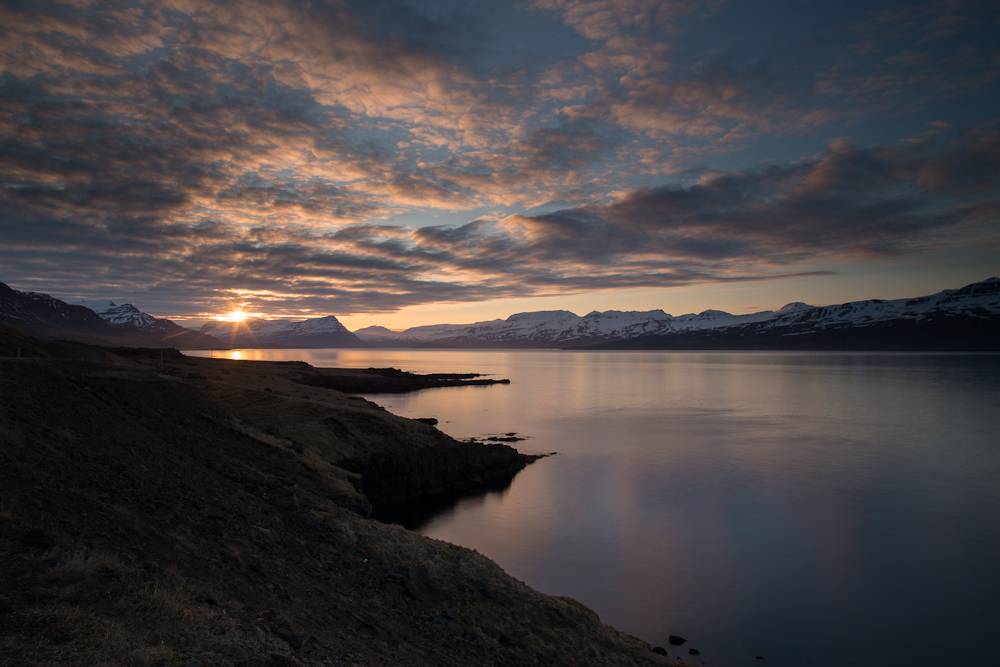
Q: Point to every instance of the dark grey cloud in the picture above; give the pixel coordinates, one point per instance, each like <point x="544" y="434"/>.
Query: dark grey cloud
<point x="847" y="201"/>
<point x="571" y="144"/>
<point x="198" y="154"/>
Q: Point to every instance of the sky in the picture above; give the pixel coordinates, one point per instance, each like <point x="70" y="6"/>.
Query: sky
<point x="413" y="162"/>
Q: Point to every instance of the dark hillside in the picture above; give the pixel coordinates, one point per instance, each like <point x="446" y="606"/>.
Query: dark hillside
<point x="153" y="512"/>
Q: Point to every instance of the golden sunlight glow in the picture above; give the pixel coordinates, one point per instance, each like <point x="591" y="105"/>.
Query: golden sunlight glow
<point x="234" y="316"/>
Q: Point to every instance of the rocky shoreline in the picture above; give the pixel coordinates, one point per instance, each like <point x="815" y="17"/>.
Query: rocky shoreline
<point x="159" y="509"/>
<point x="389" y="380"/>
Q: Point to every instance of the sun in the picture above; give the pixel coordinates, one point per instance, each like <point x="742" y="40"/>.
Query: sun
<point x="234" y="316"/>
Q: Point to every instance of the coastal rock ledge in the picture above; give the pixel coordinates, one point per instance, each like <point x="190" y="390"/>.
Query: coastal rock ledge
<point x="157" y="509"/>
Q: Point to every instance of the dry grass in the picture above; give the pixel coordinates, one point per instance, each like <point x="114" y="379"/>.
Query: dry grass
<point x="277" y="564"/>
<point x="96" y="606"/>
<point x="170" y="599"/>
<point x="154" y="655"/>
<point x="257" y="434"/>
<point x="72" y="635"/>
<point x="82" y="564"/>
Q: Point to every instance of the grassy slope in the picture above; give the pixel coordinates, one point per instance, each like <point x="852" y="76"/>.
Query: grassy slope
<point x="193" y="515"/>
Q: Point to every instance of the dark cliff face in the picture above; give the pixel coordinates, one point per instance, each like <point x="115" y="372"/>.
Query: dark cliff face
<point x="450" y="469"/>
<point x="161" y="510"/>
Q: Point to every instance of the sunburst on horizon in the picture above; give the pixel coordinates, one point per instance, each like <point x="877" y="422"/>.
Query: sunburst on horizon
<point x="236" y="315"/>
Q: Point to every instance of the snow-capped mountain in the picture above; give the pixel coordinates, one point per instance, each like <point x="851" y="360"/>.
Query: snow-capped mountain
<point x="980" y="300"/>
<point x="122" y="314"/>
<point x="44" y="315"/>
<point x="959" y="319"/>
<point x="560" y="328"/>
<point x="316" y="332"/>
<point x="128" y="317"/>
<point x="965" y="318"/>
<point x="37" y="310"/>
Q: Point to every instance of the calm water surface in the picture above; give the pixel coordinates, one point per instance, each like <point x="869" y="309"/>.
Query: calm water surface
<point x="818" y="509"/>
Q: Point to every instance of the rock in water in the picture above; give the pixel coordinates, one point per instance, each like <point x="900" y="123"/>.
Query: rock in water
<point x="676" y="640"/>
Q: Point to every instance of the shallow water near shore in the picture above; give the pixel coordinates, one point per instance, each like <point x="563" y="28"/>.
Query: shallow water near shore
<point x="814" y="508"/>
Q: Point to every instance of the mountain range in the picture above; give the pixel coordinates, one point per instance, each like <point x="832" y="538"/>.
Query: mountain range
<point x="324" y="331"/>
<point x="105" y="323"/>
<point x="123" y="324"/>
<point x="967" y="318"/>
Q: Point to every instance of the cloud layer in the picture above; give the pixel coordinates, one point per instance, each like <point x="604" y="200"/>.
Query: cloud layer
<point x="359" y="157"/>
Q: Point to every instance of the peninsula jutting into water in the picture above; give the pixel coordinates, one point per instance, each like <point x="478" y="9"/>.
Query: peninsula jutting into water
<point x="222" y="506"/>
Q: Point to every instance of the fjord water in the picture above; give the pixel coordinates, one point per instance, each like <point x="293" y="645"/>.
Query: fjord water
<point x="813" y="508"/>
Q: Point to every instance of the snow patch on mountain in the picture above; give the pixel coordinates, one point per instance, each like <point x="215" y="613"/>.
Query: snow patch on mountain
<point x="122" y="314"/>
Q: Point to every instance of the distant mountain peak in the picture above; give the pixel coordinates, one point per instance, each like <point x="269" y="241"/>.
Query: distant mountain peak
<point x="123" y="314"/>
<point x="323" y="331"/>
<point x="794" y="306"/>
<point x="377" y="330"/>
<point x="541" y="315"/>
<point x="610" y="314"/>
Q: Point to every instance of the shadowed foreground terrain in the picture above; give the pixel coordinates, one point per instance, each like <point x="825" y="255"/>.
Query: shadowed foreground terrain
<point x="157" y="509"/>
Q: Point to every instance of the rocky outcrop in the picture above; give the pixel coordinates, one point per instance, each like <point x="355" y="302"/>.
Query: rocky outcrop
<point x="447" y="470"/>
<point x="390" y="380"/>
